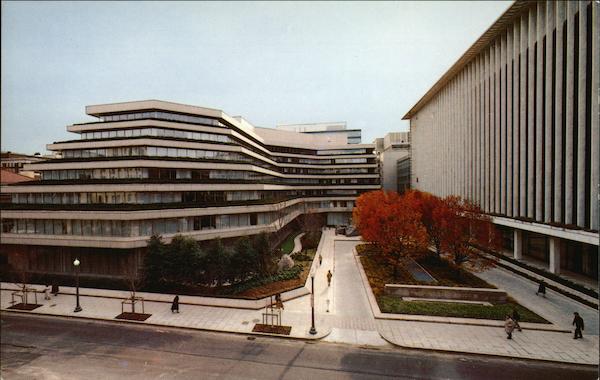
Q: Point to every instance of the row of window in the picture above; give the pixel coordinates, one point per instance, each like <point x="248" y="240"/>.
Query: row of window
<point x="150" y="227"/>
<point x="340" y="151"/>
<point x="189" y="174"/>
<point x="127" y="228"/>
<point x="295" y="160"/>
<point x="162" y="116"/>
<point x="156" y="132"/>
<point x="153" y="151"/>
<point x="202" y="197"/>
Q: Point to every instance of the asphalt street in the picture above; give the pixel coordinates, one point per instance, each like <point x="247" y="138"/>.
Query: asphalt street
<point x="39" y="347"/>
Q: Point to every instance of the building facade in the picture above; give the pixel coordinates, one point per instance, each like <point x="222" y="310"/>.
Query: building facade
<point x="153" y="167"/>
<point x="333" y="131"/>
<point x="393" y="154"/>
<point x="513" y="126"/>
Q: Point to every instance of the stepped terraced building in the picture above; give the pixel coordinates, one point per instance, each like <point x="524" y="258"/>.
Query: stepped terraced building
<point x="154" y="167"/>
<point x="514" y="126"/>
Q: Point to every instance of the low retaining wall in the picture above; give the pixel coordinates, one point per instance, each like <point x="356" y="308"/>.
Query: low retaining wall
<point x="446" y="292"/>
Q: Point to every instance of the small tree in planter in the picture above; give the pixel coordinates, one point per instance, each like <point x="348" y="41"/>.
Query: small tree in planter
<point x="133" y="282"/>
<point x="20" y="263"/>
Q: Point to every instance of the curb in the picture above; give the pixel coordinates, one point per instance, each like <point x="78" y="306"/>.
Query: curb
<point x="143" y="323"/>
<point x="484" y="354"/>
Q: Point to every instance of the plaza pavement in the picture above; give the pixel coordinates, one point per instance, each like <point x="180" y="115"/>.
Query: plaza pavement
<point x="345" y="314"/>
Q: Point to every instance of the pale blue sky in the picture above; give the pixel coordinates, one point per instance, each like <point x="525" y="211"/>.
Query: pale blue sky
<point x="365" y="63"/>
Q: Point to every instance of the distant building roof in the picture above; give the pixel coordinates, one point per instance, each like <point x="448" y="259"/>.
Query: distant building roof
<point x="8" y="177"/>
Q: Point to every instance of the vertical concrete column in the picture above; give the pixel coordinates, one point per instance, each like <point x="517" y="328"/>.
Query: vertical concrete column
<point x="554" y="266"/>
<point x="548" y="132"/>
<point x="518" y="244"/>
<point x="465" y="115"/>
<point x="569" y="99"/>
<point x="531" y="112"/>
<point x="503" y="157"/>
<point x="516" y="117"/>
<point x="509" y="120"/>
<point x="485" y="142"/>
<point x="478" y="128"/>
<point x="558" y="112"/>
<point x="523" y="118"/>
<point x="595" y="138"/>
<point x="539" y="113"/>
<point x="581" y="103"/>
<point x="496" y="144"/>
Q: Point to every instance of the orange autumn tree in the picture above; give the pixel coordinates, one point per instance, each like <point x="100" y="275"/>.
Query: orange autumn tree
<point x="392" y="223"/>
<point x="467" y="228"/>
<point x="435" y="215"/>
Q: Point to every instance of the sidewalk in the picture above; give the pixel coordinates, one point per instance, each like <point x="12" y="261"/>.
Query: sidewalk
<point x="345" y="312"/>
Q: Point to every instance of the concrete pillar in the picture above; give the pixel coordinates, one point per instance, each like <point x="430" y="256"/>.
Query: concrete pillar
<point x="510" y="174"/>
<point x="554" y="266"/>
<point x="548" y="158"/>
<point x="523" y="119"/>
<point x="539" y="113"/>
<point x="518" y="244"/>
<point x="581" y="137"/>
<point x="503" y="158"/>
<point x="516" y="117"/>
<point x="496" y="144"/>
<point x="531" y="113"/>
<point x="558" y="113"/>
<point x="595" y="137"/>
<point x="571" y="9"/>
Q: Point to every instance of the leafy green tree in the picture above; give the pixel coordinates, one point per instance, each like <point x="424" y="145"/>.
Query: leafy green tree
<point x="217" y="262"/>
<point x="154" y="262"/>
<point x="244" y="260"/>
<point x="265" y="254"/>
<point x="184" y="259"/>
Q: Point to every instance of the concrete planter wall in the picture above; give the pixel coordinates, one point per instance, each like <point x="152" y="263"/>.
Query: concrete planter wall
<point x="446" y="292"/>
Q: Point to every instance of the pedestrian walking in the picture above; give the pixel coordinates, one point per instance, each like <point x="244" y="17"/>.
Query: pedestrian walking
<point x="278" y="301"/>
<point x="55" y="289"/>
<point x="578" y="322"/>
<point x="175" y="305"/>
<point x="509" y="326"/>
<point x="329" y="275"/>
<point x="541" y="289"/>
<point x="516" y="317"/>
<point x="47" y="292"/>
<point x="320" y="259"/>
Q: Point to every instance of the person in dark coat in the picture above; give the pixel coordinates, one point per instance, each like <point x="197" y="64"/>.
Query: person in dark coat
<point x="542" y="289"/>
<point x="329" y="275"/>
<point x="55" y="288"/>
<point x="175" y="305"/>
<point x="578" y="322"/>
<point x="516" y="317"/>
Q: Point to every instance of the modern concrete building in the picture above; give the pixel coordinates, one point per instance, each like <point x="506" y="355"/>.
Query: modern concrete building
<point x="154" y="167"/>
<point x="333" y="131"/>
<point x="393" y="155"/>
<point x="513" y="126"/>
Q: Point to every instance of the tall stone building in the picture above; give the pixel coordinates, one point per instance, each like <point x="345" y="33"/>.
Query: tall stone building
<point x="513" y="126"/>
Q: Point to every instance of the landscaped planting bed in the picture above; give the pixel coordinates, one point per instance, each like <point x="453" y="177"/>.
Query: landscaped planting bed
<point x="380" y="272"/>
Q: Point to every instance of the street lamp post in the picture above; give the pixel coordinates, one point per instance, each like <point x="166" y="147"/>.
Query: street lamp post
<point x="313" y="330"/>
<point x="76" y="264"/>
